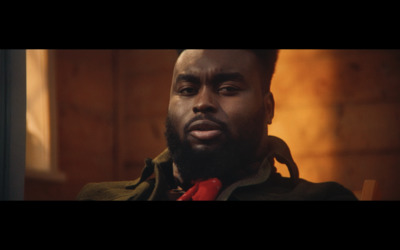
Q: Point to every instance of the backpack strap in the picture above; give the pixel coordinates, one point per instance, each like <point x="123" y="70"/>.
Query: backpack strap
<point x="279" y="150"/>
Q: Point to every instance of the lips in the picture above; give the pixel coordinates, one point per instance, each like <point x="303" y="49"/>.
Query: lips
<point x="205" y="130"/>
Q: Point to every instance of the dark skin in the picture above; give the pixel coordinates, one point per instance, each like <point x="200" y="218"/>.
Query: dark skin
<point x="227" y="85"/>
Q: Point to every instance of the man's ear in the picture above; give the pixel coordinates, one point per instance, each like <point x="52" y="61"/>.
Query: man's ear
<point x="269" y="104"/>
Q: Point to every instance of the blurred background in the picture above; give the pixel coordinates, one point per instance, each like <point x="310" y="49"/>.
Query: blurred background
<point x="95" y="115"/>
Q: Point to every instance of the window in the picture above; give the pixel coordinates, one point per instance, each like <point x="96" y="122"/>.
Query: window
<point x="41" y="155"/>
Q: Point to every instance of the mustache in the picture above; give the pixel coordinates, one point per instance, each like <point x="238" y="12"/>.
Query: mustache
<point x="205" y="117"/>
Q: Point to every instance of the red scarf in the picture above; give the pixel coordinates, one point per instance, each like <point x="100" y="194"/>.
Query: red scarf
<point x="206" y="190"/>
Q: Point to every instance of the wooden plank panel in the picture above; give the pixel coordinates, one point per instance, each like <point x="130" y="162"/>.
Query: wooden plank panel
<point x="85" y="95"/>
<point x="144" y="79"/>
<point x="340" y="128"/>
<point x="351" y="170"/>
<point x="309" y="77"/>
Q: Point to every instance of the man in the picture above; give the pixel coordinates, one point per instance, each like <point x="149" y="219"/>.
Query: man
<point x="217" y="137"/>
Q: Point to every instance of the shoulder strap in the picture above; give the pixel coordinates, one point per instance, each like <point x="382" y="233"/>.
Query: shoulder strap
<point x="279" y="150"/>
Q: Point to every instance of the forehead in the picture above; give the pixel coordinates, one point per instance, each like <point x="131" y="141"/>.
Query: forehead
<point x="209" y="61"/>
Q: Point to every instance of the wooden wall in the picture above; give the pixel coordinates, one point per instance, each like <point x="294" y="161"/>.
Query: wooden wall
<point x="111" y="106"/>
<point x="337" y="109"/>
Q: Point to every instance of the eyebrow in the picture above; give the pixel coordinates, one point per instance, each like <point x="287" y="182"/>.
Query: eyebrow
<point x="187" y="78"/>
<point x="223" y="77"/>
<point x="215" y="79"/>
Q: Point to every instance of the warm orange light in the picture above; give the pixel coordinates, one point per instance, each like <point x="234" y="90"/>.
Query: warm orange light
<point x="37" y="114"/>
<point x="301" y="86"/>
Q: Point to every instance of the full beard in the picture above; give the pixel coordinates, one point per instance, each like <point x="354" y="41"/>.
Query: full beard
<point x="231" y="156"/>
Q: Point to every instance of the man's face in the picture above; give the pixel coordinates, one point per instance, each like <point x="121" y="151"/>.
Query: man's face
<point x="217" y="103"/>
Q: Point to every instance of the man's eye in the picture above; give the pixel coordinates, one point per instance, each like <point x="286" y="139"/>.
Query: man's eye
<point x="228" y="90"/>
<point x="187" y="91"/>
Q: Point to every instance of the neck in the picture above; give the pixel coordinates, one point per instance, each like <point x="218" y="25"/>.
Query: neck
<point x="252" y="169"/>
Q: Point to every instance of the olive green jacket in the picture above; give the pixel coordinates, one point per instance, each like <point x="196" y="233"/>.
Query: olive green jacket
<point x="157" y="180"/>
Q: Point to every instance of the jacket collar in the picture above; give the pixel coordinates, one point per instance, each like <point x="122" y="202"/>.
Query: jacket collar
<point x="277" y="149"/>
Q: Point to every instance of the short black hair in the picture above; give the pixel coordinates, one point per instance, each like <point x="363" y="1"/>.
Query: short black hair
<point x="267" y="59"/>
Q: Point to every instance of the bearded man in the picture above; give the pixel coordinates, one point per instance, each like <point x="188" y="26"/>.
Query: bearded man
<point x="217" y="136"/>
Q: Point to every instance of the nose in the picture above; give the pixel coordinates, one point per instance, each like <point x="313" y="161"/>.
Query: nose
<point x="205" y="101"/>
